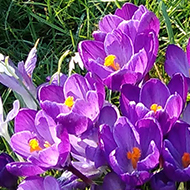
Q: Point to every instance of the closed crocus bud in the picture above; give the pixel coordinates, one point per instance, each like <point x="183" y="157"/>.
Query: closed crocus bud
<point x="6" y="179"/>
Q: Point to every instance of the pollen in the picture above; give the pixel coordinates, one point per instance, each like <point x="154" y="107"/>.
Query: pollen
<point x="47" y="144"/>
<point x="110" y="62"/>
<point x="185" y="159"/>
<point x="34" y="145"/>
<point x="69" y="102"/>
<point x="134" y="156"/>
<point x="155" y="107"/>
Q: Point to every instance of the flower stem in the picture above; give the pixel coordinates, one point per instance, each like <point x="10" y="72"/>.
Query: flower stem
<point x="76" y="172"/>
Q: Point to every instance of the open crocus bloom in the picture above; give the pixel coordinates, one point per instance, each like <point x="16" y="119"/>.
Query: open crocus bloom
<point x="155" y="99"/>
<point x="20" y="79"/>
<point x="126" y="53"/>
<point x="36" y="140"/>
<point x="36" y="182"/>
<point x="178" y="61"/>
<point x="176" y="153"/>
<point x="75" y="105"/>
<point x="133" y="154"/>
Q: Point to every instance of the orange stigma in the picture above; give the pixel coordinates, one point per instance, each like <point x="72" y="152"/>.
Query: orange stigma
<point x="185" y="159"/>
<point x="69" y="102"/>
<point x="134" y="156"/>
<point x="110" y="62"/>
<point x="155" y="107"/>
<point x="34" y="145"/>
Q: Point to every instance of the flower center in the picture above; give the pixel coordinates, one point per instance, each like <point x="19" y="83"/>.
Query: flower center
<point x="69" y="102"/>
<point x="134" y="156"/>
<point x="185" y="159"/>
<point x="110" y="62"/>
<point x="155" y="107"/>
<point x="34" y="145"/>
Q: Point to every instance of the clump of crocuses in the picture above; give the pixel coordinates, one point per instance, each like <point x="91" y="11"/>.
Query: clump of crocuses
<point x="87" y="140"/>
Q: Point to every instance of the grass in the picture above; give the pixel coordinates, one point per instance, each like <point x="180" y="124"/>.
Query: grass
<point x="62" y="24"/>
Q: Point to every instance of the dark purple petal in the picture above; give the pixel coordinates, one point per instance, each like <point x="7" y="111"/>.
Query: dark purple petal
<point x="176" y="61"/>
<point x="160" y="181"/>
<point x="178" y="84"/>
<point x="6" y="178"/>
<point x="50" y="183"/>
<point x="99" y="35"/>
<point x="117" y="79"/>
<point x="52" y="93"/>
<point x="53" y="109"/>
<point x="75" y="123"/>
<point x="24" y="169"/>
<point x="154" y="92"/>
<point x="127" y="11"/>
<point x="24" y="120"/>
<point x="186" y="114"/>
<point x="125" y="134"/>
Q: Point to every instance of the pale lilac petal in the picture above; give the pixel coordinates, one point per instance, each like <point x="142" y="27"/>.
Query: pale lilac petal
<point x="14" y="111"/>
<point x="30" y="62"/>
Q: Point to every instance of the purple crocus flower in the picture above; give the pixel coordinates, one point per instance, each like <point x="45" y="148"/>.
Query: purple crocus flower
<point x="6" y="179"/>
<point x="76" y="105"/>
<point x="155" y="99"/>
<point x="178" y="61"/>
<point x="37" y="141"/>
<point x="141" y="17"/>
<point x="133" y="154"/>
<point x="36" y="182"/>
<point x="126" y="53"/>
<point x="20" y="79"/>
<point x="176" y="153"/>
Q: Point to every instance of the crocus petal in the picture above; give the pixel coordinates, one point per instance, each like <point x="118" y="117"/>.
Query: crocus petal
<point x="14" y="111"/>
<point x="178" y="84"/>
<point x="75" y="123"/>
<point x="109" y="22"/>
<point x="52" y="93"/>
<point x="24" y="120"/>
<point x="117" y="79"/>
<point x="188" y="51"/>
<point x="91" y="50"/>
<point x="30" y="62"/>
<point x="176" y="61"/>
<point x="120" y="45"/>
<point x="76" y="86"/>
<point x="127" y="11"/>
<point x="186" y="113"/>
<point x="149" y="21"/>
<point x="50" y="183"/>
<point x="24" y="169"/>
<point x="154" y="92"/>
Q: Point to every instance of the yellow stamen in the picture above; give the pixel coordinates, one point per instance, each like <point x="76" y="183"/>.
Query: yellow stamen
<point x="47" y="144"/>
<point x="155" y="107"/>
<point x="110" y="62"/>
<point x="134" y="156"/>
<point x="185" y="159"/>
<point x="34" y="145"/>
<point x="69" y="101"/>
